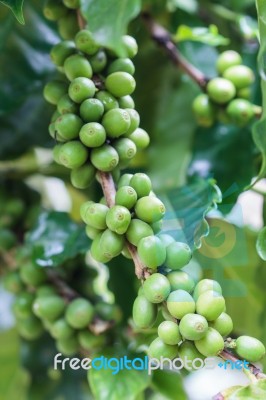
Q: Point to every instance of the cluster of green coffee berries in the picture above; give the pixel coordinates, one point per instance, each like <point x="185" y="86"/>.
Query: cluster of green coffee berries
<point x="40" y="306"/>
<point x="227" y="96"/>
<point x="195" y="322"/>
<point x="95" y="123"/>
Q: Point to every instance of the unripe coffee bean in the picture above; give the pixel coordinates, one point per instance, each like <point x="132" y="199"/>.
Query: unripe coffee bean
<point x="156" y="288"/>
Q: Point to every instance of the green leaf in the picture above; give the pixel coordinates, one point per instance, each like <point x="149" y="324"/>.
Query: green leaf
<point x="25" y="66"/>
<point x="55" y="239"/>
<point x="202" y="34"/>
<point x="258" y="132"/>
<point x="16" y="7"/>
<point x="126" y="384"/>
<point x="168" y="384"/>
<point x="189" y="205"/>
<point x="254" y="391"/>
<point x="261" y="244"/>
<point x="190" y="6"/>
<point x="108" y="20"/>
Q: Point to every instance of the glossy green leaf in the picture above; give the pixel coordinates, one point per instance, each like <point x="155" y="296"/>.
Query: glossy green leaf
<point x="205" y="35"/>
<point x="25" y="66"/>
<point x="55" y="239"/>
<point x="261" y="244"/>
<point x="189" y="205"/>
<point x="168" y="384"/>
<point x="126" y="384"/>
<point x="259" y="135"/>
<point x="108" y="20"/>
<point x="16" y="6"/>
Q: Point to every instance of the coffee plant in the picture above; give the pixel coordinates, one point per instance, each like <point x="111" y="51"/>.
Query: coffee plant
<point x="132" y="167"/>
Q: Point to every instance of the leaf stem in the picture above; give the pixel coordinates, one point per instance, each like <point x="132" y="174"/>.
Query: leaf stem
<point x="163" y="38"/>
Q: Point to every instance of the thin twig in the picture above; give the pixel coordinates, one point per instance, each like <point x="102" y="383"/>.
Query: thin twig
<point x="163" y="38"/>
<point x="227" y="355"/>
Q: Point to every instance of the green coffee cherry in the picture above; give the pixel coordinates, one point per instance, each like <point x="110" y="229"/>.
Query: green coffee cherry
<point x="98" y="61"/>
<point x="56" y="153"/>
<point x="140" y="138"/>
<point x="109" y="101"/>
<point x="210" y="304"/>
<point x="211" y="344"/>
<point x="168" y="332"/>
<point x="49" y="308"/>
<point x="158" y="349"/>
<point x="244" y="93"/>
<point x="227" y="59"/>
<point x="32" y="275"/>
<point x="73" y="154"/>
<point x="77" y="66"/>
<point x="96" y="250"/>
<point x="91" y="110"/>
<point x="94" y="214"/>
<point x="118" y="219"/>
<point x="124" y="180"/>
<point x="53" y="10"/>
<point x="12" y="282"/>
<point x="240" y="75"/>
<point x="126" y="253"/>
<point x="156" y="288"/>
<point x="69" y="346"/>
<point x="68" y="126"/>
<point x="30" y="328"/>
<point x="138" y="230"/>
<point x="180" y="280"/>
<point x="111" y="244"/>
<point x="223" y="324"/>
<point x="221" y="90"/>
<point x="82" y="177"/>
<point x="92" y="232"/>
<point x="204" y="285"/>
<point x="72" y="4"/>
<point x="189" y="354"/>
<point x="142" y="184"/>
<point x="116" y="122"/>
<point x="204" y="110"/>
<point x="144" y="312"/>
<point x="180" y="303"/>
<point x="104" y="158"/>
<point x="61" y="330"/>
<point x="109" y="312"/>
<point x="166" y="239"/>
<point x="126" y="102"/>
<point x="178" y="255"/>
<point x="166" y="315"/>
<point x="22" y="305"/>
<point x="125" y="148"/>
<point x="66" y="106"/>
<point x="68" y="26"/>
<point x="151" y="251"/>
<point x="126" y="196"/>
<point x="61" y="51"/>
<point x="130" y="45"/>
<point x="120" y="84"/>
<point x="90" y="342"/>
<point x="85" y="42"/>
<point x="193" y="326"/>
<point x="122" y="65"/>
<point x="149" y="209"/>
<point x="134" y="121"/>
<point x="80" y="89"/>
<point x="79" y="313"/>
<point x="54" y="90"/>
<point x="240" y="111"/>
<point x="157" y="226"/>
<point x="249" y="348"/>
<point x="92" y="134"/>
<point x="45" y="290"/>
